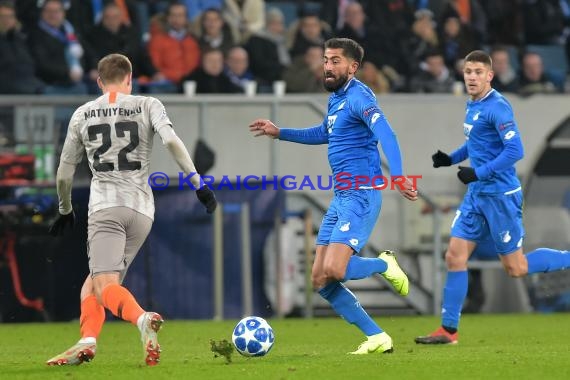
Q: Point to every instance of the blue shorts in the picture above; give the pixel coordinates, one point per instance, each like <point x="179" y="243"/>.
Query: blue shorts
<point x="350" y="218"/>
<point x="486" y="218"/>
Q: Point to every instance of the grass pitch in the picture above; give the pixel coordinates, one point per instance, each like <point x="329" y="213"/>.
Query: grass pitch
<point x="490" y="347"/>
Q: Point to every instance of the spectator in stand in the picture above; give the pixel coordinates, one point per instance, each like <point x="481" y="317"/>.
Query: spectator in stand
<point x="267" y="49"/>
<point x="196" y="8"/>
<point x="237" y="67"/>
<point x="370" y="38"/>
<point x="434" y="76"/>
<point x="505" y="78"/>
<point x="373" y="78"/>
<point x="456" y="41"/>
<point x="393" y="21"/>
<point x="112" y="35"/>
<point x="333" y="12"/>
<point x="210" y="77"/>
<point x="15" y="58"/>
<point x="214" y="32"/>
<point x="85" y="14"/>
<point x="173" y="50"/>
<point x="424" y="39"/>
<point x="394" y="16"/>
<point x="245" y="17"/>
<point x="471" y="14"/>
<point x="533" y="79"/>
<point x="543" y="22"/>
<point x="28" y="12"/>
<point x="504" y="22"/>
<point x="57" y="52"/>
<point x="306" y="72"/>
<point x="308" y="31"/>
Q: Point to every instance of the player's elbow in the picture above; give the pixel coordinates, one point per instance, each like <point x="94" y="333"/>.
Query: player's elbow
<point x="169" y="140"/>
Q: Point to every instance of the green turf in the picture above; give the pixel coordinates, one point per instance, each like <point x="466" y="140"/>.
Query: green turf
<point x="491" y="347"/>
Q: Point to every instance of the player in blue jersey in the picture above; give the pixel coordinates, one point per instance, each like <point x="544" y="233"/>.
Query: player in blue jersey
<point x="352" y="128"/>
<point x="492" y="206"/>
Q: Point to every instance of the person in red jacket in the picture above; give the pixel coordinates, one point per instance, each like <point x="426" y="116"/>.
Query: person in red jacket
<point x="173" y="50"/>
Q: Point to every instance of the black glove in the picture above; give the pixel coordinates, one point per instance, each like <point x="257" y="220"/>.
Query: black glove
<point x="207" y="198"/>
<point x="467" y="175"/>
<point x="440" y="159"/>
<point x="57" y="227"/>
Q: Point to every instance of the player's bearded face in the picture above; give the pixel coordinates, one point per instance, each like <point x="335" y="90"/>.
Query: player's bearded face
<point x="333" y="82"/>
<point x="336" y="69"/>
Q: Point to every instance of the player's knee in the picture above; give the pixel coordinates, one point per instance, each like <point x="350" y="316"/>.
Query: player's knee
<point x="516" y="270"/>
<point x="334" y="273"/>
<point x="454" y="260"/>
<point x="318" y="279"/>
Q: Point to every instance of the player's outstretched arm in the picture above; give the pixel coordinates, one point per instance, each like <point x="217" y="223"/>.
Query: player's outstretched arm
<point x="64" y="182"/>
<point x="180" y="154"/>
<point x="263" y="127"/>
<point x="311" y="136"/>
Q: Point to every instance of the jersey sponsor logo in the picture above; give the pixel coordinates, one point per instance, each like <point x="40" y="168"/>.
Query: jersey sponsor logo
<point x="374" y="118"/>
<point x="467" y="129"/>
<point x="353" y="242"/>
<point x="344" y="226"/>
<point x="476" y="116"/>
<point x="509" y="135"/>
<point x="341" y="106"/>
<point x="330" y="123"/>
<point x="505" y="236"/>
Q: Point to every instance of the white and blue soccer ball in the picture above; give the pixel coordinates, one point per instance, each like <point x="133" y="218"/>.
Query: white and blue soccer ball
<point x="253" y="336"/>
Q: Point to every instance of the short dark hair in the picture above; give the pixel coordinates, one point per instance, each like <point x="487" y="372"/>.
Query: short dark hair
<point x="7" y="4"/>
<point x="479" y="56"/>
<point x="350" y="48"/>
<point x="174" y="4"/>
<point x="113" y="68"/>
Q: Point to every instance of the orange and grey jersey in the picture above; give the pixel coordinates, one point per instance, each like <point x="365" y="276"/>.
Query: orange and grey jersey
<point x="116" y="131"/>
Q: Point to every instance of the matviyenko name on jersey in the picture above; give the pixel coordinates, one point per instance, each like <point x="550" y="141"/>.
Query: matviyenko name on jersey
<point x="114" y="111"/>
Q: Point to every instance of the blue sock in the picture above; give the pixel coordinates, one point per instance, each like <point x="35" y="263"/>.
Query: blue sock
<point x="362" y="267"/>
<point x="347" y="306"/>
<point x="547" y="260"/>
<point x="454" y="294"/>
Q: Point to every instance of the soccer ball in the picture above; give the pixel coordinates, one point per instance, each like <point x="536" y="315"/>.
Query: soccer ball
<point x="253" y="336"/>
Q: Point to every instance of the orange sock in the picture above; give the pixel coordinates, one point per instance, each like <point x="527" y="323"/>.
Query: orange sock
<point x="121" y="303"/>
<point x="92" y="317"/>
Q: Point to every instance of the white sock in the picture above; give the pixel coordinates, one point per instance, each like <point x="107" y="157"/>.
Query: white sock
<point x="140" y="321"/>
<point x="88" y="339"/>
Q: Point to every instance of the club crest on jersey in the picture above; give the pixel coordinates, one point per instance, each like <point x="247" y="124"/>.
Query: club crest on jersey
<point x="505" y="236"/>
<point x="330" y="122"/>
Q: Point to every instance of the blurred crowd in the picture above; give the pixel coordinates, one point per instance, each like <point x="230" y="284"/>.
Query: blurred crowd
<point x="52" y="46"/>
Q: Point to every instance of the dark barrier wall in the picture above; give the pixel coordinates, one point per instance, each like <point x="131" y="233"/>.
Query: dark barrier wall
<point x="173" y="273"/>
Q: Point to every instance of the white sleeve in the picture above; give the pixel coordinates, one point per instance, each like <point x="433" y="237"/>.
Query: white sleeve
<point x="158" y="116"/>
<point x="180" y="154"/>
<point x="64" y="180"/>
<point x="72" y="151"/>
